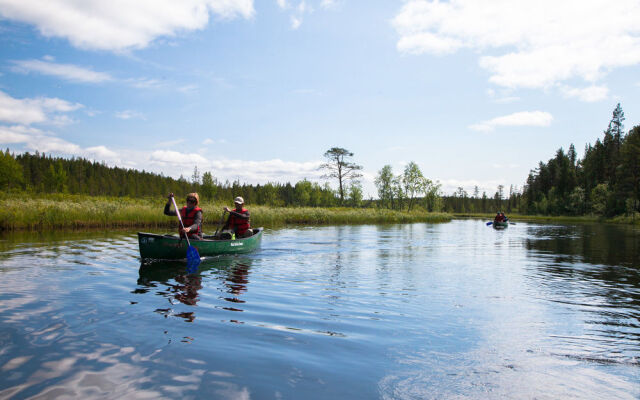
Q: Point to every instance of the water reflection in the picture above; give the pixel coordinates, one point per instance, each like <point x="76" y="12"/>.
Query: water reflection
<point x="593" y="270"/>
<point x="452" y="310"/>
<point x="170" y="280"/>
<point x="590" y="243"/>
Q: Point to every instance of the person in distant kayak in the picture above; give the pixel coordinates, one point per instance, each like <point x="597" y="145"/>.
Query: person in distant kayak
<point x="191" y="216"/>
<point x="239" y="219"/>
<point x="499" y="217"/>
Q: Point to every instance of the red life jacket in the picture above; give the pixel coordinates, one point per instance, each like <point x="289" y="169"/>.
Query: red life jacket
<point x="239" y="225"/>
<point x="188" y="219"/>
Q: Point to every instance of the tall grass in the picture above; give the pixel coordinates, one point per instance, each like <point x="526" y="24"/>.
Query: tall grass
<point x="20" y="211"/>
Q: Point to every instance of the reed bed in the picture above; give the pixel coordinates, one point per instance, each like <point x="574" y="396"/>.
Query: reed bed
<point x="58" y="211"/>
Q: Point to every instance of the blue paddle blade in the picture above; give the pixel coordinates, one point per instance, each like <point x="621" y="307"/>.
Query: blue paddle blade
<point x="489" y="223"/>
<point x="193" y="259"/>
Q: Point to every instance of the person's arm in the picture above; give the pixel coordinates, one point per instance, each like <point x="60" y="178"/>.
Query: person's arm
<point x="167" y="210"/>
<point x="244" y="215"/>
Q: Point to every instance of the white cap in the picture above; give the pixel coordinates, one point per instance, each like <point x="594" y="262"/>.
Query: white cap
<point x="238" y="200"/>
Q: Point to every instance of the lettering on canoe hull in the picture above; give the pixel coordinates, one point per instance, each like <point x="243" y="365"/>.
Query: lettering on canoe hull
<point x="236" y="244"/>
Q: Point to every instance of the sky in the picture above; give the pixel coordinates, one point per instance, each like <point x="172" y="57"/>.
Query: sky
<point x="476" y="92"/>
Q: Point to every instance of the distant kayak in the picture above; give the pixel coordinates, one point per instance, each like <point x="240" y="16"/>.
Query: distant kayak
<point x="171" y="247"/>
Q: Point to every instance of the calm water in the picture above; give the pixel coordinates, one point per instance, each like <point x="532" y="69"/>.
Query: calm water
<point x="420" y="311"/>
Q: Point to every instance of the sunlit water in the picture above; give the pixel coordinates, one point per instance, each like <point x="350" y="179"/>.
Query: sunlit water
<point x="456" y="310"/>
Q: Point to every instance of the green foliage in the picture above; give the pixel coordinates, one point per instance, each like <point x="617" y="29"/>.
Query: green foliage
<point x="384" y="184"/>
<point x="413" y="182"/>
<point x="601" y="182"/>
<point x="355" y="194"/>
<point x="599" y="196"/>
<point x="577" y="201"/>
<point x="338" y="166"/>
<point x="208" y="188"/>
<point x="395" y="191"/>
<point x="10" y="171"/>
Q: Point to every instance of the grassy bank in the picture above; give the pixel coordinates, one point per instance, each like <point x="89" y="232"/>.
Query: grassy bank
<point x="57" y="211"/>
<point x="627" y="220"/>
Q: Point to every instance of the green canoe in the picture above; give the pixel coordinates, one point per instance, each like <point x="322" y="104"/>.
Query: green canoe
<point x="171" y="247"/>
<point x="500" y="225"/>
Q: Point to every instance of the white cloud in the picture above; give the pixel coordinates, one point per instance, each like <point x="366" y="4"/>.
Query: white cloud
<point x="129" y="114"/>
<point x="145" y="83"/>
<point x="32" y="111"/>
<point x="531" y="45"/>
<point x="74" y="73"/>
<point x="20" y="111"/>
<point x="168" y="162"/>
<point x="589" y="94"/>
<point x="275" y="170"/>
<point x="328" y="3"/>
<point x="54" y="104"/>
<point x="36" y="139"/>
<point x="297" y="13"/>
<point x="176" y="158"/>
<point x="15" y="134"/>
<point x="524" y="118"/>
<point x="101" y="152"/>
<point x="65" y="71"/>
<point x="295" y="22"/>
<point x="120" y="24"/>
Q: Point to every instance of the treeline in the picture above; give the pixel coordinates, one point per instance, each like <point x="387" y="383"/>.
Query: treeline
<point x="605" y="182"/>
<point x="412" y="189"/>
<point x="40" y="173"/>
<point x="463" y="202"/>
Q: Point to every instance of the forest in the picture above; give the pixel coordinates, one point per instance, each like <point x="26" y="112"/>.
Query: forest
<point x="604" y="182"/>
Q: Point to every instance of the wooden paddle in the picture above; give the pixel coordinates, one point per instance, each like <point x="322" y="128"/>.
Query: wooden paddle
<point x="193" y="258"/>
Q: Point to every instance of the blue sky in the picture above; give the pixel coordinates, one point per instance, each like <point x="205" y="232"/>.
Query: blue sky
<point x="475" y="92"/>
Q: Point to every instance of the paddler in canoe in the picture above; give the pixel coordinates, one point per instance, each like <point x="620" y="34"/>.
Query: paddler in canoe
<point x="500" y="217"/>
<point x="170" y="247"/>
<point x="239" y="221"/>
<point x="191" y="216"/>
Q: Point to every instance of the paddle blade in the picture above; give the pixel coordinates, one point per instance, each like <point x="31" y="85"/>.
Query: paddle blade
<point x="489" y="223"/>
<point x="193" y="259"/>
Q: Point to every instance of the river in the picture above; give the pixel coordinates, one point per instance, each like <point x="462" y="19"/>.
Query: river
<point x="420" y="311"/>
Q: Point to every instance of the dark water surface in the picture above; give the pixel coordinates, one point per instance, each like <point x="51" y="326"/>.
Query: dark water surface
<point x="420" y="311"/>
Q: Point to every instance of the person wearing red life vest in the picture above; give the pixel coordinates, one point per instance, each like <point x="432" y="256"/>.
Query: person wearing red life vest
<point x="191" y="216"/>
<point x="239" y="219"/>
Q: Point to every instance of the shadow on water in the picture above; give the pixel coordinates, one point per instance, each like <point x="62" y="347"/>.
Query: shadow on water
<point x="171" y="280"/>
